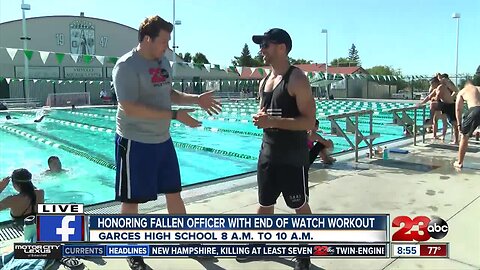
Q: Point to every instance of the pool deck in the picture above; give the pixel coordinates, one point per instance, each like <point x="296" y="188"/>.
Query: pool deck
<point x="427" y="184"/>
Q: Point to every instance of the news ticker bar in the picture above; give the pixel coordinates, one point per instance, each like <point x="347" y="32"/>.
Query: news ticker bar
<point x="213" y="228"/>
<point x="408" y="250"/>
<point x="403" y="250"/>
<point x="56" y="250"/>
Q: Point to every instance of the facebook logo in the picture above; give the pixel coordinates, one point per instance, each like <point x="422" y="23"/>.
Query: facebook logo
<point x="60" y="228"/>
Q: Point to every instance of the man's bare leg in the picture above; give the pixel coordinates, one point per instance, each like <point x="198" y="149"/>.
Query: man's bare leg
<point x="175" y="204"/>
<point x="444" y="129"/>
<point x="456" y="133"/>
<point x="129" y="208"/>
<point x="266" y="210"/>
<point x="304" y="210"/>
<point x="326" y="158"/>
<point x="461" y="151"/>
<point x="303" y="262"/>
<point x="435" y="124"/>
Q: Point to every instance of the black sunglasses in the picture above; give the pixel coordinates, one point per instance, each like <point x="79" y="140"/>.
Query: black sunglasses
<point x="264" y="45"/>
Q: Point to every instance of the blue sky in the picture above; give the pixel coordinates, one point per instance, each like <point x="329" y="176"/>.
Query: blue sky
<point x="417" y="36"/>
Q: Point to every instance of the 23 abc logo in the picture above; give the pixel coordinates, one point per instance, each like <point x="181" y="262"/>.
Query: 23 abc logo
<point x="436" y="228"/>
<point x="323" y="251"/>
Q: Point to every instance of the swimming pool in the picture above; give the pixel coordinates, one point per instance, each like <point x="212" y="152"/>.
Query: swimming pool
<point x="226" y="145"/>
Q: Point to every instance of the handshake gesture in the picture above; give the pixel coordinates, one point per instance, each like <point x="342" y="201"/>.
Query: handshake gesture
<point x="206" y="102"/>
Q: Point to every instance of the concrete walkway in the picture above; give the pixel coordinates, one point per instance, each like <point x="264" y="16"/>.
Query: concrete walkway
<point x="432" y="187"/>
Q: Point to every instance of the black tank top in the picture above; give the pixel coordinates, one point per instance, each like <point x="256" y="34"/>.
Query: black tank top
<point x="279" y="145"/>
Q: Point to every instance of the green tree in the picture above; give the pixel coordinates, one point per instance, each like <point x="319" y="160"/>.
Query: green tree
<point x="388" y="70"/>
<point x="259" y="59"/>
<point x="384" y="70"/>
<point x="245" y="59"/>
<point x="342" y="62"/>
<point x="300" y="61"/>
<point x="422" y="84"/>
<point x="476" y="80"/>
<point x="462" y="83"/>
<point x="200" y="58"/>
<point x="353" y="56"/>
<point x="187" y="58"/>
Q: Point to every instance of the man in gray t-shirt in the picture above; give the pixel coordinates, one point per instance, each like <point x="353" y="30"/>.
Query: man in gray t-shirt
<point x="146" y="160"/>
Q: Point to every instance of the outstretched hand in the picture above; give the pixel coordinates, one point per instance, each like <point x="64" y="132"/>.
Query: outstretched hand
<point x="185" y="118"/>
<point x="209" y="104"/>
<point x="4" y="183"/>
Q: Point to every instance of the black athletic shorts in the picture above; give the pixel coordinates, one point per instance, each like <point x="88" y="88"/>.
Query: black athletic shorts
<point x="471" y="120"/>
<point x="275" y="178"/>
<point x="449" y="110"/>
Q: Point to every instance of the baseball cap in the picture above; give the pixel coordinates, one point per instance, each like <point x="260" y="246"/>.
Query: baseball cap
<point x="275" y="36"/>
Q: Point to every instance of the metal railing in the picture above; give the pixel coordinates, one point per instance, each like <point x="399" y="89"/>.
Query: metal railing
<point x="15" y="103"/>
<point x="352" y="127"/>
<point x="401" y="118"/>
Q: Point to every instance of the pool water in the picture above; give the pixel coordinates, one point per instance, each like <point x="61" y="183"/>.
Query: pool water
<point x="226" y="145"/>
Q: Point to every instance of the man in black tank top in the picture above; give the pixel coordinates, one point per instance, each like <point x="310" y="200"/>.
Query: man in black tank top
<point x="287" y="111"/>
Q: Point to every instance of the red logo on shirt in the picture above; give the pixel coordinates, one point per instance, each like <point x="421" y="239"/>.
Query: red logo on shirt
<point x="158" y="75"/>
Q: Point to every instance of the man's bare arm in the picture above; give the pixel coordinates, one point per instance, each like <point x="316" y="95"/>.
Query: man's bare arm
<point x="432" y="94"/>
<point x="260" y="93"/>
<point x="183" y="98"/>
<point x="459" y="107"/>
<point x="453" y="89"/>
<point x="319" y="138"/>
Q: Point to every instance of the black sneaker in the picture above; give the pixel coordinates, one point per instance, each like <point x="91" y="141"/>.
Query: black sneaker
<point x="302" y="263"/>
<point x="136" y="263"/>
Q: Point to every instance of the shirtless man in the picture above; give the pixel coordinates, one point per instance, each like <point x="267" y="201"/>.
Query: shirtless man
<point x="446" y="104"/>
<point x="448" y="83"/>
<point x="435" y="107"/>
<point x="471" y="120"/>
<point x="435" y="113"/>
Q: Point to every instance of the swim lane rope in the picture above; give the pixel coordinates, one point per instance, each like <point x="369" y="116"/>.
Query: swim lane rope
<point x="52" y="143"/>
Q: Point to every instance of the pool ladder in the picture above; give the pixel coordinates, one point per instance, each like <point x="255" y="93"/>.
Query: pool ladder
<point x="352" y="122"/>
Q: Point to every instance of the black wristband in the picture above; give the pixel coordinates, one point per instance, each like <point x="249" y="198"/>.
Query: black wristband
<point x="174" y="114"/>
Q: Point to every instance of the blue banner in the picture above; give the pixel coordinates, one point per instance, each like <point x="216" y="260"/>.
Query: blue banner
<point x="83" y="250"/>
<point x="239" y="222"/>
<point x="127" y="250"/>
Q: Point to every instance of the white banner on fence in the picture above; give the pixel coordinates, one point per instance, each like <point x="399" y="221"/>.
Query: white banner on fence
<point x="83" y="72"/>
<point x="38" y="72"/>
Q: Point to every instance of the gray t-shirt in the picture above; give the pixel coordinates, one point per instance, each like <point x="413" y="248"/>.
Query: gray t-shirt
<point x="145" y="82"/>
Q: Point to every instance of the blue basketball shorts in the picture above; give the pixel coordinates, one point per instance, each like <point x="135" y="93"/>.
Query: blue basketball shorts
<point x="145" y="170"/>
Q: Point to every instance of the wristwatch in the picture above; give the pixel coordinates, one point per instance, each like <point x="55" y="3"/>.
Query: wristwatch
<point x="174" y="114"/>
